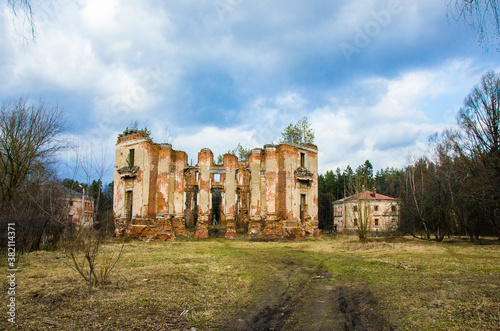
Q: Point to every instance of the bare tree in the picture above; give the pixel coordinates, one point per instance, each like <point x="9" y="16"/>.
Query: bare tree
<point x="479" y="120"/>
<point x="362" y="216"/>
<point x="362" y="209"/>
<point x="90" y="257"/>
<point x="28" y="141"/>
<point x="481" y="15"/>
<point x="29" y="193"/>
<point x="415" y="198"/>
<point x="87" y="249"/>
<point x="478" y="142"/>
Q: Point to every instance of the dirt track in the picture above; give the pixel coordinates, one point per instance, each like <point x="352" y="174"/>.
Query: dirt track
<point x="320" y="303"/>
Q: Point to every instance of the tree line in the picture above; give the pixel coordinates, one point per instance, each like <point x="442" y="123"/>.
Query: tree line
<point x="455" y="190"/>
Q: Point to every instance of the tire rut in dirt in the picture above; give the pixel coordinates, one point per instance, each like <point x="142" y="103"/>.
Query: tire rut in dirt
<point x="359" y="310"/>
<point x="318" y="302"/>
<point x="271" y="318"/>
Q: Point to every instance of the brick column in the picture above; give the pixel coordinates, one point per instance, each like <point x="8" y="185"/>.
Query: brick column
<point x="178" y="222"/>
<point x="272" y="227"/>
<point x="255" y="223"/>
<point x="205" y="159"/>
<point x="230" y="164"/>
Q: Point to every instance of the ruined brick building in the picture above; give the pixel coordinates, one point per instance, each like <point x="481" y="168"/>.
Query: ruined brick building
<point x="157" y="194"/>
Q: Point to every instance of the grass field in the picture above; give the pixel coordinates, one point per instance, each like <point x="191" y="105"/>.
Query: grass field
<point x="328" y="283"/>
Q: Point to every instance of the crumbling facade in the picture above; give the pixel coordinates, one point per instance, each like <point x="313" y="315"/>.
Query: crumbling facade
<point x="158" y="195"/>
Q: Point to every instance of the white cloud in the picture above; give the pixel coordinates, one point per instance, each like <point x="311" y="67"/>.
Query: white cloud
<point x="83" y="58"/>
<point x="129" y="60"/>
<point x="99" y="15"/>
<point x="385" y="132"/>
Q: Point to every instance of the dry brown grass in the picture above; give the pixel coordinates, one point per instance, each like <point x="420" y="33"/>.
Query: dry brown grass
<point x="207" y="284"/>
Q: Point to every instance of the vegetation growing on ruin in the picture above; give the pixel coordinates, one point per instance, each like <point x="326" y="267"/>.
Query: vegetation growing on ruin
<point x="241" y="152"/>
<point x="298" y="133"/>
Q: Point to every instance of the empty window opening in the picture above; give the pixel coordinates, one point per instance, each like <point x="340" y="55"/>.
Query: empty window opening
<point x="131" y="157"/>
<point x="355" y="222"/>
<point x="195" y="204"/>
<point x="376" y="208"/>
<point x="302" y="207"/>
<point x="393" y="208"/>
<point x="128" y="204"/>
<point x="376" y="222"/>
<point x="216" y="178"/>
<point x="216" y="206"/>
<point x="302" y="159"/>
<point x="197" y="176"/>
<point x="355" y="208"/>
<point x="236" y="216"/>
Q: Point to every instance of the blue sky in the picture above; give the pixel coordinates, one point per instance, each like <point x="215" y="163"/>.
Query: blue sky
<point x="375" y="78"/>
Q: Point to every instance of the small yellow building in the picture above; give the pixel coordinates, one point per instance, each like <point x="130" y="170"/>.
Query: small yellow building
<point x="380" y="212"/>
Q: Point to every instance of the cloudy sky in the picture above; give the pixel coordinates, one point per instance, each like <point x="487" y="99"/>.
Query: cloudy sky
<point x="374" y="77"/>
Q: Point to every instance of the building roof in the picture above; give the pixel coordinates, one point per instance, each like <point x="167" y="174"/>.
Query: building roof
<point x="72" y="194"/>
<point x="367" y="195"/>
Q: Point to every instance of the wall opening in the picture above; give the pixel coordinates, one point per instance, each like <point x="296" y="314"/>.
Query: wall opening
<point x="195" y="203"/>
<point x="216" y="204"/>
<point x="302" y="159"/>
<point x="128" y="204"/>
<point x="192" y="207"/>
<point x="237" y="203"/>
<point x="131" y="157"/>
<point x="302" y="207"/>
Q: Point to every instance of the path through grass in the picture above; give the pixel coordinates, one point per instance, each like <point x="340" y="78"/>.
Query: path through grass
<point x="337" y="283"/>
